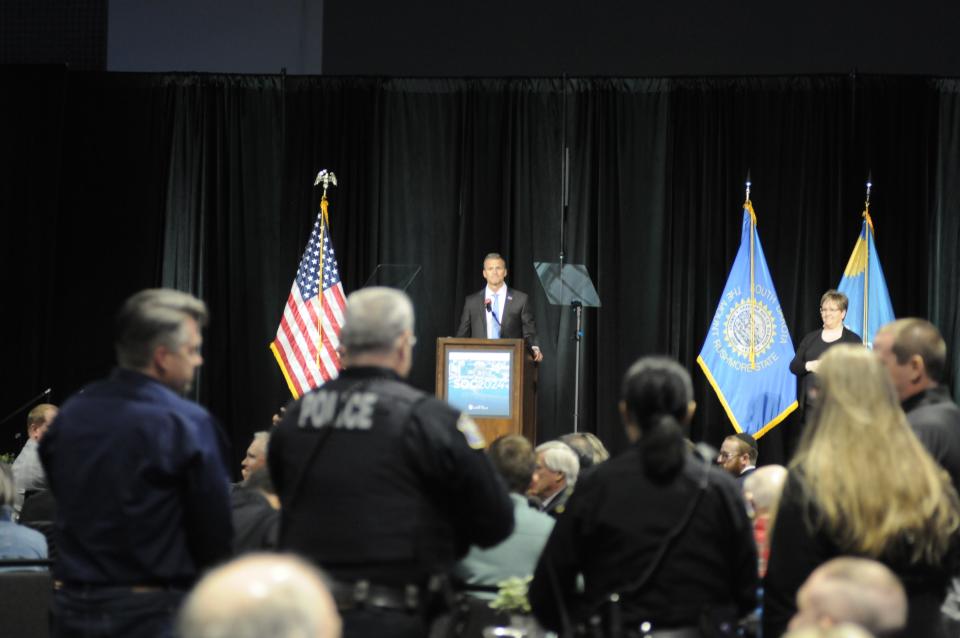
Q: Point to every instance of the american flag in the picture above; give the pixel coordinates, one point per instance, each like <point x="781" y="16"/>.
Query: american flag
<point x="312" y="317"/>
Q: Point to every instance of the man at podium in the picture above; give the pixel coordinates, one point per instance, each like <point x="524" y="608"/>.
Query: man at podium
<point x="496" y="312"/>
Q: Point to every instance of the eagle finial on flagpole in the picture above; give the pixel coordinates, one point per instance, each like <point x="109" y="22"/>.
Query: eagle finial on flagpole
<point x="866" y="203"/>
<point x="747" y="198"/>
<point x="327" y="178"/>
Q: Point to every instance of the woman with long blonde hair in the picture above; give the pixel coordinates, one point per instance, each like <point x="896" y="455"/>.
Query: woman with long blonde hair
<point x="862" y="484"/>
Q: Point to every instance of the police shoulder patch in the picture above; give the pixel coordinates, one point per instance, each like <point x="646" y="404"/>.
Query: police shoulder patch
<point x="471" y="432"/>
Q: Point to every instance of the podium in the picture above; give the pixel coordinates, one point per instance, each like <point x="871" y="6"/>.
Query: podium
<point x="492" y="380"/>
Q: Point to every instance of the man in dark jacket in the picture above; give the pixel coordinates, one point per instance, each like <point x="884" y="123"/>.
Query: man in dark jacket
<point x="137" y="471"/>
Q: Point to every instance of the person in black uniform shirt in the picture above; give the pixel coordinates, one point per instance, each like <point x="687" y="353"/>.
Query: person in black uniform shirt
<point x="664" y="530"/>
<point x="382" y="485"/>
<point x="915" y="355"/>
<point x="496" y="312"/>
<point x="833" y="310"/>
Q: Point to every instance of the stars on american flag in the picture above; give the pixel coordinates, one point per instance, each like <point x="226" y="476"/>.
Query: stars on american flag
<point x="308" y="274"/>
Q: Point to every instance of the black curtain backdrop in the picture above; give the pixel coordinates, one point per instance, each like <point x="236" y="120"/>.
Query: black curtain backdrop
<point x="115" y="182"/>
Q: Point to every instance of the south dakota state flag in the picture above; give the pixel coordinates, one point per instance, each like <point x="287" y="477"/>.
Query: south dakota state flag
<point x="747" y="354"/>
<point x="863" y="283"/>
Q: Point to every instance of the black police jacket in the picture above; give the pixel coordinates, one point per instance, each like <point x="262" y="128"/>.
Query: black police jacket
<point x="381" y="481"/>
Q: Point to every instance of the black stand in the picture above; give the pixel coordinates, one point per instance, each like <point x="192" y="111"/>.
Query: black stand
<point x="570" y="284"/>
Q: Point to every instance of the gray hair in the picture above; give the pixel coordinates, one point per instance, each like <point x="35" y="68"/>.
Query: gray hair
<point x="495" y="256"/>
<point x="7" y="485"/>
<point x="560" y="457"/>
<point x="263" y="438"/>
<point x="374" y="318"/>
<point x="152" y="318"/>
<point x="258" y="595"/>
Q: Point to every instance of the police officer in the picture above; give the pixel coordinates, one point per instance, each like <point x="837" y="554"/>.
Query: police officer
<point x="382" y="485"/>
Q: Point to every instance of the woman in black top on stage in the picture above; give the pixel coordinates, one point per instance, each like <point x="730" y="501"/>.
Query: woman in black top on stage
<point x="833" y="310"/>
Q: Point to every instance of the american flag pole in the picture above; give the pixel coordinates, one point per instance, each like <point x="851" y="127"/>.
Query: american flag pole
<point x="327" y="178"/>
<point x="308" y="337"/>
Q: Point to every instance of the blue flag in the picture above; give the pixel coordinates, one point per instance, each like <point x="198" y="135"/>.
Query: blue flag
<point x="748" y="351"/>
<point x="863" y="283"/>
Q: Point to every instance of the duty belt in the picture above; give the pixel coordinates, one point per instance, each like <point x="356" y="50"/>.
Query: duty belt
<point x="363" y="593"/>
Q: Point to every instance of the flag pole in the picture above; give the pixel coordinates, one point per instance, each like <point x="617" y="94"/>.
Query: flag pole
<point x="753" y="299"/>
<point x="868" y="228"/>
<point x="327" y="178"/>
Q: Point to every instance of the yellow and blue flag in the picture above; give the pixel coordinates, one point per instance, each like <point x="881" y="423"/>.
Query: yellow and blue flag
<point x="863" y="283"/>
<point x="748" y="350"/>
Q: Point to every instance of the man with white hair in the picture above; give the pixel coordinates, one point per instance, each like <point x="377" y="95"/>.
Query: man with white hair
<point x="382" y="485"/>
<point x="554" y="476"/>
<point x="260" y="595"/>
<point x="256" y="456"/>
<point x="761" y="490"/>
<point x="852" y="590"/>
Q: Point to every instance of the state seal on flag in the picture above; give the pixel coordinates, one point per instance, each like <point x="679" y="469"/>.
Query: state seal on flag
<point x="737" y="328"/>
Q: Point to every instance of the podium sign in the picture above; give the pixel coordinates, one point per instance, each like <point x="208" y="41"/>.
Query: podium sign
<point x="492" y="380"/>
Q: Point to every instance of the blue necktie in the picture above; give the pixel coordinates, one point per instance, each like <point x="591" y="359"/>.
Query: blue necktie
<point x="495" y="330"/>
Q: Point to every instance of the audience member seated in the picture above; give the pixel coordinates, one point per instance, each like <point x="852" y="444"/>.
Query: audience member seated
<point x="27" y="470"/>
<point x="260" y="596"/>
<point x="482" y="569"/>
<point x="738" y="455"/>
<point x="762" y="491"/>
<point x="554" y="476"/>
<point x="16" y="541"/>
<point x="852" y="590"/>
<point x="589" y="449"/>
<point x="660" y="538"/>
<point x="256" y="513"/>
<point x="39" y="512"/>
<point x="862" y="484"/>
<point x="256" y="456"/>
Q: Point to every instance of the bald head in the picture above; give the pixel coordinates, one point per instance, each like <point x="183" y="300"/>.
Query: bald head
<point x="763" y="487"/>
<point x="260" y="595"/>
<point x="852" y="590"/>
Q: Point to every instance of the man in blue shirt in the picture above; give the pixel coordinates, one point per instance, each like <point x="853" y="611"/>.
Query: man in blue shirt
<point x="139" y="478"/>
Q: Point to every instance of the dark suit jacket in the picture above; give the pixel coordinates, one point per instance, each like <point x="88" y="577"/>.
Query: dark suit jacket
<point x="516" y="322"/>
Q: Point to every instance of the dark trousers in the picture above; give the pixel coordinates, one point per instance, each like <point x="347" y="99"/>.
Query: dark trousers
<point x="108" y="612"/>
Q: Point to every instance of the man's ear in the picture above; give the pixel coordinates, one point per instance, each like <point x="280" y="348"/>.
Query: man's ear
<point x="918" y="369"/>
<point x="158" y="358"/>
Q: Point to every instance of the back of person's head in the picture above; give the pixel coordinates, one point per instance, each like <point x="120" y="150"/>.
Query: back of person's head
<point x="918" y="337"/>
<point x="871" y="479"/>
<point x="559" y="457"/>
<point x="7" y="486"/>
<point x="374" y="319"/>
<point x="852" y="590"/>
<point x="151" y="318"/>
<point x="40" y="418"/>
<point x="840" y="631"/>
<point x="278" y="596"/>
<point x="590" y="449"/>
<point x="656" y="400"/>
<point x="762" y="488"/>
<point x="512" y="456"/>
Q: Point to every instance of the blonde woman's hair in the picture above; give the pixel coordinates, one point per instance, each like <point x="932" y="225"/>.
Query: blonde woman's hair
<point x="875" y="485"/>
